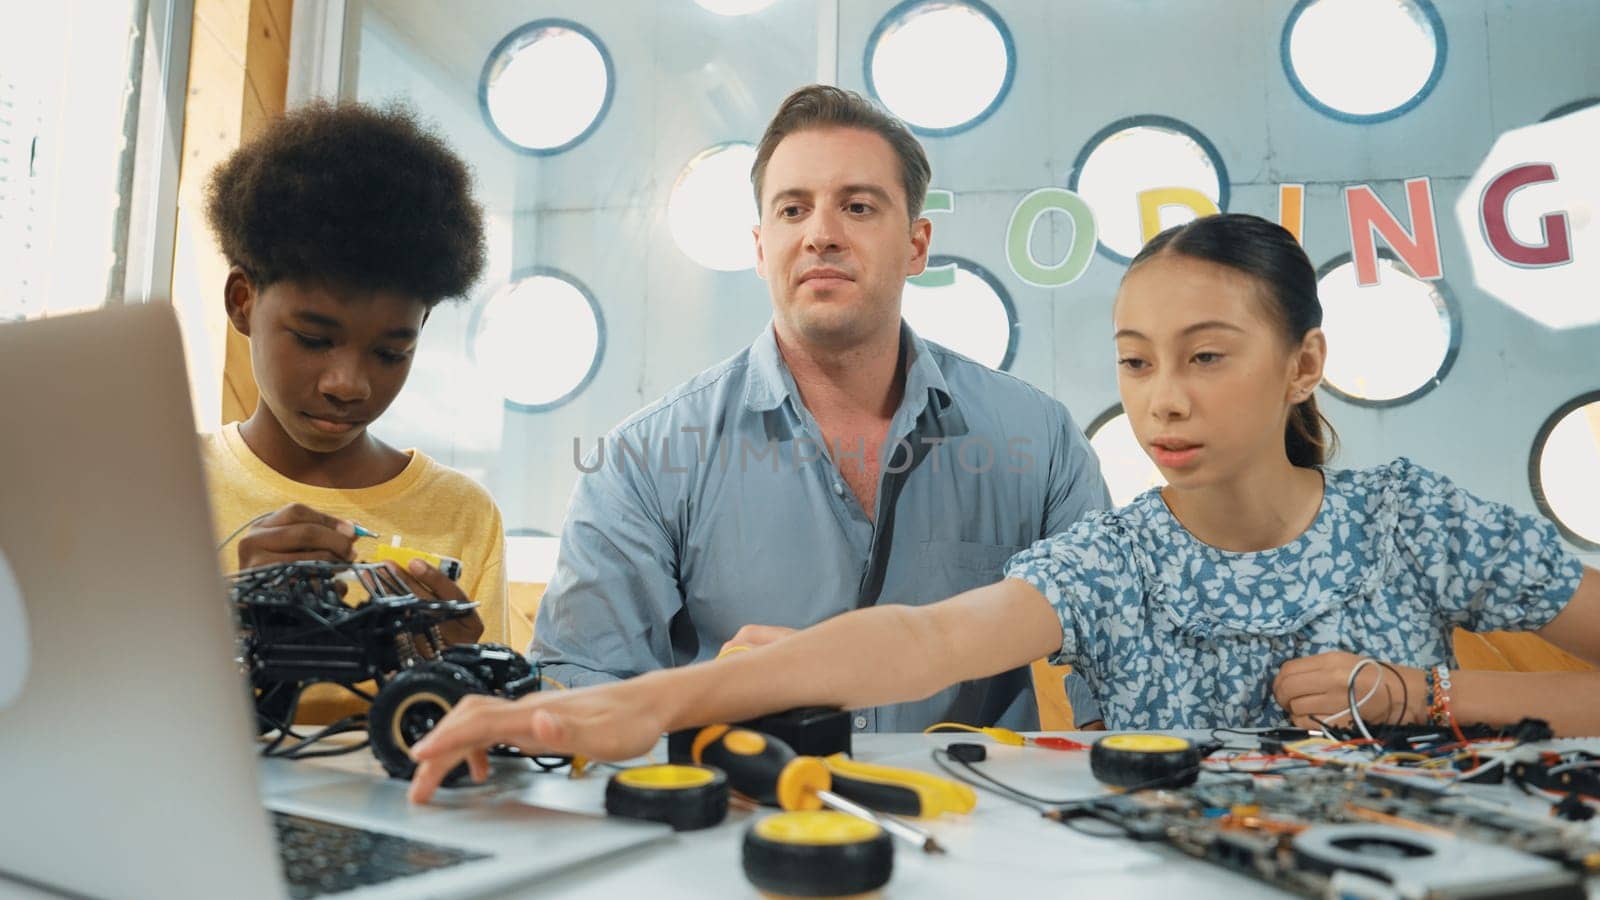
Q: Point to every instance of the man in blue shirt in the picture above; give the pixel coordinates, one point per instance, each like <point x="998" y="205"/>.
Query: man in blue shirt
<point x="837" y="462"/>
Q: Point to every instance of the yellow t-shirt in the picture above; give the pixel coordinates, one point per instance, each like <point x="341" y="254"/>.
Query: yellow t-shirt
<point x="430" y="506"/>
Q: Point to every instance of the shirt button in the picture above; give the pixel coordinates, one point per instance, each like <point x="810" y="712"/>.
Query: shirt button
<point x="838" y="488"/>
<point x="861" y="721"/>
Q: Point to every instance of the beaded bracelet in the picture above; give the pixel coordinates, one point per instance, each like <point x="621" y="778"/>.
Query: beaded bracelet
<point x="1439" y="695"/>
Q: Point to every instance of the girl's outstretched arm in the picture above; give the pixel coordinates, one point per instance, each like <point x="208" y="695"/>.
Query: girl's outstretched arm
<point x="869" y="657"/>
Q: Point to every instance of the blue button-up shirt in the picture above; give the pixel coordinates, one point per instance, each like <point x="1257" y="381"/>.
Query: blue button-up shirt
<point x="719" y="506"/>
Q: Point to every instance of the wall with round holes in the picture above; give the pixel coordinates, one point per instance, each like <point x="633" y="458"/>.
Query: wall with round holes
<point x="638" y="201"/>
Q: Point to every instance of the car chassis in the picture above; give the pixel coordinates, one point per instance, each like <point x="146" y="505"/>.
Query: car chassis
<point x="295" y="629"/>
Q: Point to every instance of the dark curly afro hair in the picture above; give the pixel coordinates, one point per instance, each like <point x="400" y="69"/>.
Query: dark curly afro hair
<point x="354" y="196"/>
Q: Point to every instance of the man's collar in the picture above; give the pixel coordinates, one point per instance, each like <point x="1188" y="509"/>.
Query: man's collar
<point x="770" y="382"/>
<point x="923" y="375"/>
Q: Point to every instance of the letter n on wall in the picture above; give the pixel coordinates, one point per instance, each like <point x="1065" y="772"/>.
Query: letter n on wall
<point x="1370" y="218"/>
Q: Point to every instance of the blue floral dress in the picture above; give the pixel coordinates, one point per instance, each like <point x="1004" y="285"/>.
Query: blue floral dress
<point x="1170" y="632"/>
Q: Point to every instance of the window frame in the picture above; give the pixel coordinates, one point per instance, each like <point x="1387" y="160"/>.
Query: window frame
<point x="528" y="33"/>
<point x="899" y="13"/>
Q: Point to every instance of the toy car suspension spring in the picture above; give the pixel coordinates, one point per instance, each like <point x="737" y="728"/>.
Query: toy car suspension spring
<point x="404" y="649"/>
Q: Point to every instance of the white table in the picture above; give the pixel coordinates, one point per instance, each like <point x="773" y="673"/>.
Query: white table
<point x="1000" y="846"/>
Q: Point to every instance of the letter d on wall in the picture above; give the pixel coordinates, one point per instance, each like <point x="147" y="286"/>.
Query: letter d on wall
<point x="1154" y="200"/>
<point x="13" y="636"/>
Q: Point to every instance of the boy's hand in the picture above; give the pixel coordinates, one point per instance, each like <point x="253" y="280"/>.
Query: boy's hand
<point x="606" y="722"/>
<point x="428" y="583"/>
<point x="294" y="533"/>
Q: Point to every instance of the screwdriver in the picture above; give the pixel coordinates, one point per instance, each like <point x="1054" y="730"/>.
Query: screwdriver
<point x="767" y="771"/>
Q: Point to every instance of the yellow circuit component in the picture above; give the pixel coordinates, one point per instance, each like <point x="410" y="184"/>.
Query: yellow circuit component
<point x="402" y="557"/>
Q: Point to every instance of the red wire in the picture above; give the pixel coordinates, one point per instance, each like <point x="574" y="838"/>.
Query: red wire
<point x="1057" y="743"/>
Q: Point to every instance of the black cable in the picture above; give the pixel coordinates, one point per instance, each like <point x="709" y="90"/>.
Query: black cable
<point x="301" y="750"/>
<point x="286" y="725"/>
<point x="1076" y="824"/>
<point x="298" y="753"/>
<point x="1271" y="734"/>
<point x="996" y="786"/>
<point x="1059" y="810"/>
<point x="1405" y="692"/>
<point x="1350" y="698"/>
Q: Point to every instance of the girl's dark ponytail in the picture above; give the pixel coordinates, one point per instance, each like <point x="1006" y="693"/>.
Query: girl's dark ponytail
<point x="1309" y="437"/>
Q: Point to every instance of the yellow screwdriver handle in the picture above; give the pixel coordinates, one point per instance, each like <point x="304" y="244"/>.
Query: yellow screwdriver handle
<point x="761" y="767"/>
<point x="904" y="792"/>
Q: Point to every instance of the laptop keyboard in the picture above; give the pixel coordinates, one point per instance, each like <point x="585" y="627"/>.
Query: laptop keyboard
<point x="323" y="858"/>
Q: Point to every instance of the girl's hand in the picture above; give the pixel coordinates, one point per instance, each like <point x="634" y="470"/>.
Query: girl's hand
<point x="606" y="722"/>
<point x="1316" y="686"/>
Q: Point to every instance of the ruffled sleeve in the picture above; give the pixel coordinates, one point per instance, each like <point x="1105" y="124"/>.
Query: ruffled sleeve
<point x="1091" y="580"/>
<point x="1486" y="566"/>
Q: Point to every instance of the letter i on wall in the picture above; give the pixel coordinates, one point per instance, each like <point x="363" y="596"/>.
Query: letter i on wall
<point x="1292" y="210"/>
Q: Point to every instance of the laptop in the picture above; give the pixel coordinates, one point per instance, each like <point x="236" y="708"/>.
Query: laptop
<point x="128" y="757"/>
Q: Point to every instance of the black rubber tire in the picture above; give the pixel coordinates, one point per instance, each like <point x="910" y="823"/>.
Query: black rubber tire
<point x="1144" y="761"/>
<point x="409" y="707"/>
<point x="684" y="808"/>
<point x="817" y="870"/>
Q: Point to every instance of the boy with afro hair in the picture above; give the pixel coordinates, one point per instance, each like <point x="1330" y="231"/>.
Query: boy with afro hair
<point x="343" y="227"/>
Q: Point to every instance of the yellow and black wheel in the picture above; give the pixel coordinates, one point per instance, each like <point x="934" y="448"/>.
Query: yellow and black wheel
<point x="1139" y="761"/>
<point x="409" y="706"/>
<point x="817" y="853"/>
<point x="686" y="797"/>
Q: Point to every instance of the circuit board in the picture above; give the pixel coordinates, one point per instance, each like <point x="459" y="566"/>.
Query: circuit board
<point x="1328" y="832"/>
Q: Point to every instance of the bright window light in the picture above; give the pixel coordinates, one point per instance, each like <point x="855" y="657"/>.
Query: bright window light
<point x="531" y="556"/>
<point x="539" y="339"/>
<point x="1138" y="158"/>
<point x="1127" y="468"/>
<point x="940" y="66"/>
<point x="733" y="7"/>
<point x="64" y="86"/>
<point x="546" y="85"/>
<point x="1363" y="59"/>
<point x="711" y="210"/>
<point x="1566" y="460"/>
<point x="1387" y="342"/>
<point x="970" y="316"/>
